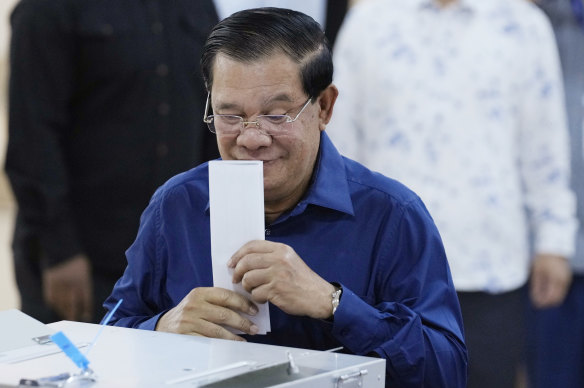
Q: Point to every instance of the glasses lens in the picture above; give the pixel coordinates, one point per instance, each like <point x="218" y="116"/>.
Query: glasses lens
<point x="225" y="124"/>
<point x="274" y="124"/>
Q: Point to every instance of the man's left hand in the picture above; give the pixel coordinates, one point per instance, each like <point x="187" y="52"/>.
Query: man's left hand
<point x="274" y="272"/>
<point x="551" y="277"/>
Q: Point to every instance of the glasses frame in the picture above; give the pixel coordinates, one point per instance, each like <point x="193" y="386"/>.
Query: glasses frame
<point x="208" y="119"/>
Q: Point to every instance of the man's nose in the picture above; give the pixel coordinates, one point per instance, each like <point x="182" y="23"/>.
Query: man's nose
<point x="253" y="137"/>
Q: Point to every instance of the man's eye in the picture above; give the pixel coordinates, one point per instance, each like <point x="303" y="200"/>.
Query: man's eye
<point x="232" y="120"/>
<point x="275" y="119"/>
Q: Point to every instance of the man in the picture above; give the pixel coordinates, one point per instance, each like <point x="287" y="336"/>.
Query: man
<point x="462" y="100"/>
<point x="336" y="232"/>
<point x="105" y="105"/>
<point x="555" y="351"/>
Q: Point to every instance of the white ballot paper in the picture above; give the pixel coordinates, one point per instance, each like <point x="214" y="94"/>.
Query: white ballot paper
<point x="236" y="199"/>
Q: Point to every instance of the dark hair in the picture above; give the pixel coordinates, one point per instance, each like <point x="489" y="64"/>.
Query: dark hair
<point x="253" y="34"/>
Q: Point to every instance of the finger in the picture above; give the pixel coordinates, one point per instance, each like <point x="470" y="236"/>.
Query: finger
<point x="225" y="317"/>
<point x="70" y="304"/>
<point x="255" y="278"/>
<point x="58" y="303"/>
<point x="261" y="294"/>
<point x="557" y="293"/>
<point x="232" y="300"/>
<point x="211" y="330"/>
<point x="537" y="289"/>
<point x="546" y="292"/>
<point x="248" y="263"/>
<point x="254" y="246"/>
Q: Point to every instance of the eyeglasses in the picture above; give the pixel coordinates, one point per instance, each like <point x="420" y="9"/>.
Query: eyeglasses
<point x="229" y="125"/>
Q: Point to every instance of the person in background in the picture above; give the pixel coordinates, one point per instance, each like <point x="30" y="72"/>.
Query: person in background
<point x="555" y="351"/>
<point x="104" y="106"/>
<point x="351" y="258"/>
<point x="462" y="101"/>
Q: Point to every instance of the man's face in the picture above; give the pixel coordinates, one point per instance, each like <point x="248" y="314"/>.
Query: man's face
<point x="270" y="86"/>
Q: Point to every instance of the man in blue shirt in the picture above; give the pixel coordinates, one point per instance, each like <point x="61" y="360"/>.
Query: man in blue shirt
<point x="337" y="232"/>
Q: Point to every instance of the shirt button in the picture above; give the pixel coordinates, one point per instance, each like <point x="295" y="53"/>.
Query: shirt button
<point x="157" y="28"/>
<point x="268" y="231"/>
<point x="162" y="70"/>
<point x="161" y="150"/>
<point x="163" y="109"/>
<point x="107" y="29"/>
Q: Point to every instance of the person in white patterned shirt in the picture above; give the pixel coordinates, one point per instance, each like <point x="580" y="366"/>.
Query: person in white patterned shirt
<point x="463" y="101"/>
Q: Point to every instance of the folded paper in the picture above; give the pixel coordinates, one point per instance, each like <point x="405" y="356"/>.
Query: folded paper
<point x="236" y="198"/>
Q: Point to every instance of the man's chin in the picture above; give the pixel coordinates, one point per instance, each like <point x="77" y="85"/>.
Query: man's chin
<point x="271" y="189"/>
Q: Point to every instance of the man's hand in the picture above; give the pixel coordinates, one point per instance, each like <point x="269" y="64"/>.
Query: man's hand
<point x="274" y="272"/>
<point x="68" y="289"/>
<point x="205" y="310"/>
<point x="550" y="280"/>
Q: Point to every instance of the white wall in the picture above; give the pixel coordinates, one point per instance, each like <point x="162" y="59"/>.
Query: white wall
<point x="8" y="294"/>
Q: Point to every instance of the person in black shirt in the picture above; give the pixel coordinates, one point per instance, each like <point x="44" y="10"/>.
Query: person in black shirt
<point x="105" y="104"/>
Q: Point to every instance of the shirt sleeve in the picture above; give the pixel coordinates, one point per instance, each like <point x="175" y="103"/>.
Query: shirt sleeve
<point x="416" y="323"/>
<point x="140" y="287"/>
<point x="40" y="99"/>
<point x="543" y="144"/>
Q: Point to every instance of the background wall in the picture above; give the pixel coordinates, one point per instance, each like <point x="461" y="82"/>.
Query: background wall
<point x="8" y="294"/>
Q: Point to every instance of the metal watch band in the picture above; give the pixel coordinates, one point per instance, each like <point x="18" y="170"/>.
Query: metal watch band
<point x="336" y="297"/>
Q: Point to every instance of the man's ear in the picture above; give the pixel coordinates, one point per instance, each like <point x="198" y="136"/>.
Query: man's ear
<point x="326" y="102"/>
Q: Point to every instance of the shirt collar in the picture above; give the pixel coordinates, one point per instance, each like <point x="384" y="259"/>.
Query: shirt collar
<point x="462" y="5"/>
<point x="329" y="187"/>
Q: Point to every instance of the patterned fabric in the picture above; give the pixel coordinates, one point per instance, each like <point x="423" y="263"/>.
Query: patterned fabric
<point x="465" y="105"/>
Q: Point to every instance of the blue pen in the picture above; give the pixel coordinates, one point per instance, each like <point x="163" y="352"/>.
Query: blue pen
<point x="104" y="323"/>
<point x="72" y="351"/>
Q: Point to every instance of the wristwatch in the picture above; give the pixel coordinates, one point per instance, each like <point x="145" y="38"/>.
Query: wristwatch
<point x="336" y="297"/>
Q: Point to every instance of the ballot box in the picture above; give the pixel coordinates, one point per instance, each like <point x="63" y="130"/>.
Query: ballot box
<point x="122" y="357"/>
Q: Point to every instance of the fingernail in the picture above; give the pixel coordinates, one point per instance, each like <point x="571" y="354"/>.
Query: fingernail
<point x="253" y="310"/>
<point x="253" y="329"/>
<point x="230" y="263"/>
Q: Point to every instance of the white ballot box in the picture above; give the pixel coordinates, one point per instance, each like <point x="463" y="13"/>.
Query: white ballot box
<point x="128" y="358"/>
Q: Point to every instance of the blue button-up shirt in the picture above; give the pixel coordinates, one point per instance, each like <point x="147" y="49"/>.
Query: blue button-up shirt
<point x="353" y="226"/>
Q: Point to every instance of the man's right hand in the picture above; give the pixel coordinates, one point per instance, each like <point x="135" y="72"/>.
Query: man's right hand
<point x="204" y="311"/>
